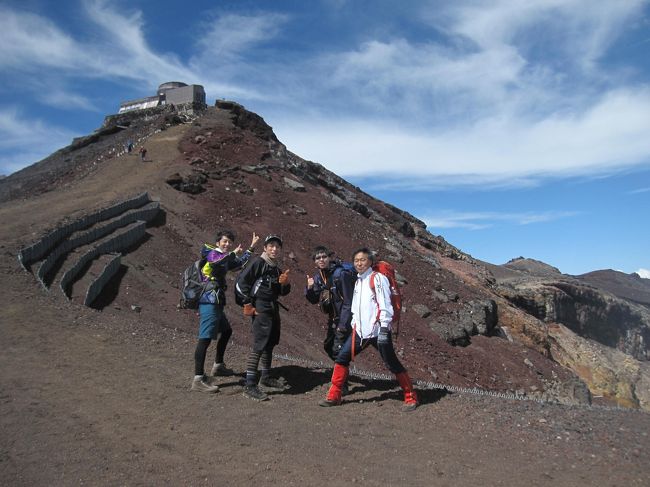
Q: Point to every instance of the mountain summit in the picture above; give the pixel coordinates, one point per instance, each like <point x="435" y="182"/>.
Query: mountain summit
<point x="520" y="328"/>
<point x="97" y="355"/>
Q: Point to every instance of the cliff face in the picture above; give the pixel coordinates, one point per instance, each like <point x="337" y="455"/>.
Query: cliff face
<point x="608" y="372"/>
<point x="466" y="323"/>
<point x="590" y="312"/>
<point x="605" y="339"/>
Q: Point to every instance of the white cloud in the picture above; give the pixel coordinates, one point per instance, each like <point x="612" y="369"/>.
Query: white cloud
<point x="220" y="60"/>
<point x="482" y="220"/>
<point x="115" y="49"/>
<point x="67" y="100"/>
<point x="228" y="36"/>
<point x="644" y="273"/>
<point x="30" y="41"/>
<point x="24" y="141"/>
<point x="121" y="49"/>
<point x="640" y="190"/>
<point x="612" y="135"/>
<point x="582" y="29"/>
<point x="481" y="107"/>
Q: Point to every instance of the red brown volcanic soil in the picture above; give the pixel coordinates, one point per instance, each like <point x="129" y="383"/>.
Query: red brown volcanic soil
<point x="102" y="397"/>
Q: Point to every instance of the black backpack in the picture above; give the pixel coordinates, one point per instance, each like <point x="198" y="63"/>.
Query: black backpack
<point x="326" y="299"/>
<point x="241" y="298"/>
<point x="192" y="286"/>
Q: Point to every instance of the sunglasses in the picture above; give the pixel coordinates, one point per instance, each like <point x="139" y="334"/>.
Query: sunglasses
<point x="320" y="257"/>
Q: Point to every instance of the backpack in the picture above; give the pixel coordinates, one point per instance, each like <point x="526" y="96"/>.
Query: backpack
<point x="241" y="298"/>
<point x="326" y="300"/>
<point x="388" y="270"/>
<point x="192" y="286"/>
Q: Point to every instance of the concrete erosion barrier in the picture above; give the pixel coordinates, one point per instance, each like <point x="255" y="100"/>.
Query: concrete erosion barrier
<point x="44" y="246"/>
<point x="97" y="286"/>
<point x="117" y="243"/>
<point x="145" y="213"/>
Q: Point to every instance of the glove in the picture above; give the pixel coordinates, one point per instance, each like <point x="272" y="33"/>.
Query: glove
<point x="284" y="277"/>
<point x="384" y="335"/>
<point x="341" y="334"/>
<point x="249" y="310"/>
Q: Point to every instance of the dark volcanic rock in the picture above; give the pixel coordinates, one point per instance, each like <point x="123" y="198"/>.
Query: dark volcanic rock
<point x="421" y="310"/>
<point x="294" y="185"/>
<point x="192" y="184"/>
<point x="475" y="318"/>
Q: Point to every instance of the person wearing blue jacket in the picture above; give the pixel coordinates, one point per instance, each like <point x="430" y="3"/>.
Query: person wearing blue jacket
<point x="331" y="288"/>
<point x="213" y="323"/>
<point x="372" y="317"/>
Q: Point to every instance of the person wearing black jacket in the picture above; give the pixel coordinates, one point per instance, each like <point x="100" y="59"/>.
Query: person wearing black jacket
<point x="332" y="287"/>
<point x="258" y="286"/>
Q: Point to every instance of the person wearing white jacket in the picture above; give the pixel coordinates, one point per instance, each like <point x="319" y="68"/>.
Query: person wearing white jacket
<point x="372" y="314"/>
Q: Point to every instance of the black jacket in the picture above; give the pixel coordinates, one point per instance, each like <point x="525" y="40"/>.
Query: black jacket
<point x="259" y="281"/>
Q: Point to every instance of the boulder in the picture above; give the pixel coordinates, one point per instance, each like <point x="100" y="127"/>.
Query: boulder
<point x="421" y="310"/>
<point x="295" y="185"/>
<point x="473" y="318"/>
<point x="192" y="184"/>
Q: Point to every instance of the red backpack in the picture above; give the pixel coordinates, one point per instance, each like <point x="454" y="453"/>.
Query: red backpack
<point x="388" y="270"/>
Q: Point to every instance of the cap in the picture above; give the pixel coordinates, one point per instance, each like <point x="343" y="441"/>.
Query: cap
<point x="272" y="237"/>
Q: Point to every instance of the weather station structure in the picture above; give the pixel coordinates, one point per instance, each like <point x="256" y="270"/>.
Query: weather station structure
<point x="169" y="93"/>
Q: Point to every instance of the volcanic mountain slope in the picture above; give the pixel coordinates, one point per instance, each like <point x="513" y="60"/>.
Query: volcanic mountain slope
<point x="227" y="169"/>
<point x="246" y="180"/>
<point x="101" y="396"/>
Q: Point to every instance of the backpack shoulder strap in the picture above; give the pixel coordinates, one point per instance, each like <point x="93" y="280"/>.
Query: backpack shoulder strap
<point x="373" y="274"/>
<point x="323" y="278"/>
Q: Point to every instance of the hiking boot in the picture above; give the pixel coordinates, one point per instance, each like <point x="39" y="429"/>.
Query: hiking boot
<point x="200" y="384"/>
<point x="339" y="379"/>
<point x="327" y="403"/>
<point x="409" y="406"/>
<point x="255" y="393"/>
<point x="221" y="370"/>
<point x="410" y="396"/>
<point x="271" y="383"/>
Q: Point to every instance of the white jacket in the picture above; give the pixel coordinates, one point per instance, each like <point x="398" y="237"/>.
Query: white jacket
<point x="365" y="305"/>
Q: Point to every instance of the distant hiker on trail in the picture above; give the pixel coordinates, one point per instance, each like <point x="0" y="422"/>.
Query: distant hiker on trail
<point x="129" y="146"/>
<point x="372" y="313"/>
<point x="258" y="287"/>
<point x="213" y="323"/>
<point x="331" y="288"/>
<point x="143" y="153"/>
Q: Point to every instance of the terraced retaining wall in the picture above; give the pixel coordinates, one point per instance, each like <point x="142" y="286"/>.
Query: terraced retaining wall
<point x="44" y="246"/>
<point x="117" y="243"/>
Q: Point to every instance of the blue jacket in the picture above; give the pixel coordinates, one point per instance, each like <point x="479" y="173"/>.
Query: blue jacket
<point x="340" y="282"/>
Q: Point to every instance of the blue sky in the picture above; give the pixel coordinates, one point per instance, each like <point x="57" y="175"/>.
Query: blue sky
<point x="513" y="128"/>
